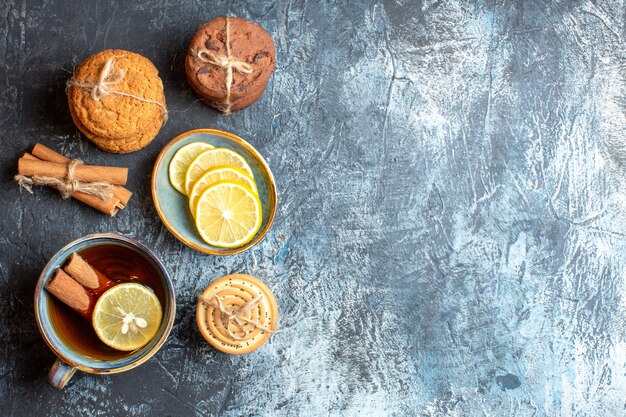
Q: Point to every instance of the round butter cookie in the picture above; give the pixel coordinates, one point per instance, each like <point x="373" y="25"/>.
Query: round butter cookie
<point x="237" y="313"/>
<point x="116" y="100"/>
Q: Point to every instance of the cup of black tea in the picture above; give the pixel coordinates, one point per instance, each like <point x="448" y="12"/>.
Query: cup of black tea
<point x="71" y="336"/>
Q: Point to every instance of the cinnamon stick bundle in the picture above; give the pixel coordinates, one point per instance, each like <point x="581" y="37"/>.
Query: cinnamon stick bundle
<point x="46" y="154"/>
<point x="111" y="206"/>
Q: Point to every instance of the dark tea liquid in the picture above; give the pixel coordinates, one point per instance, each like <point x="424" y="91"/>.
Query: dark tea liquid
<point x="119" y="264"/>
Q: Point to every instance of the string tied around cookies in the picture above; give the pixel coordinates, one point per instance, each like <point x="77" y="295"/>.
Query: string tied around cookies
<point x="223" y="61"/>
<point x="108" y="78"/>
<point x="67" y="185"/>
<point x="227" y="62"/>
<point x="235" y="315"/>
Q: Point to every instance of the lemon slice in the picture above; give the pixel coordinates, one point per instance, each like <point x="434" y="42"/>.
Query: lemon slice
<point x="127" y="316"/>
<point x="215" y="175"/>
<point x="228" y="215"/>
<point x="210" y="159"/>
<point x="181" y="160"/>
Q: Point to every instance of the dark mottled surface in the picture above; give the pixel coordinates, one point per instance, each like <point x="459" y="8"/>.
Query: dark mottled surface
<point x="451" y="238"/>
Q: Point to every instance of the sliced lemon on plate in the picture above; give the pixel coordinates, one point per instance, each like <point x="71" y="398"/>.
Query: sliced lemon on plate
<point x="127" y="316"/>
<point x="215" y="175"/>
<point x="181" y="160"/>
<point x="213" y="158"/>
<point x="228" y="215"/>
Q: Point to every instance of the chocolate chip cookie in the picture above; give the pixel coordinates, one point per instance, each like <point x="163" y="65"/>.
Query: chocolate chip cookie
<point x="229" y="62"/>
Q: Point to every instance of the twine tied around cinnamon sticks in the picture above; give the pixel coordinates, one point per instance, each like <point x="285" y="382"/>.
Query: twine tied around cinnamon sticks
<point x="43" y="162"/>
<point x="226" y="62"/>
<point x="235" y="315"/>
<point x="67" y="185"/>
<point x="109" y="77"/>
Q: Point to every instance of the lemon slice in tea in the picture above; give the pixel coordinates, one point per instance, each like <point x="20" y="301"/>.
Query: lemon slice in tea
<point x="228" y="215"/>
<point x="127" y="316"/>
<point x="215" y="175"/>
<point x="181" y="160"/>
<point x="210" y="159"/>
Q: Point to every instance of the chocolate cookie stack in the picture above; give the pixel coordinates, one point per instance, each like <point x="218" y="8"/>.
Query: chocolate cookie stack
<point x="116" y="100"/>
<point x="229" y="62"/>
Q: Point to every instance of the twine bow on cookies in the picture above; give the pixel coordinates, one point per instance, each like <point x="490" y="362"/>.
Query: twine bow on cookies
<point x="106" y="80"/>
<point x="227" y="62"/>
<point x="223" y="61"/>
<point x="109" y="77"/>
<point x="235" y="315"/>
<point x="67" y="185"/>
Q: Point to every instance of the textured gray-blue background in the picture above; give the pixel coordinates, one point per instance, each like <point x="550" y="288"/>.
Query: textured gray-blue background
<point x="451" y="237"/>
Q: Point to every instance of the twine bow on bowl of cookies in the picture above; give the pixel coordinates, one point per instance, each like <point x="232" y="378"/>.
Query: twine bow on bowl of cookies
<point x="214" y="191"/>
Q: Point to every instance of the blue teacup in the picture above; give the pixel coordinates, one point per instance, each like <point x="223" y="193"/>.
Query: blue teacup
<point x="70" y="356"/>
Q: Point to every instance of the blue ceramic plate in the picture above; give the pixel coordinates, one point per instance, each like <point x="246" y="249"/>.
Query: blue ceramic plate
<point x="173" y="207"/>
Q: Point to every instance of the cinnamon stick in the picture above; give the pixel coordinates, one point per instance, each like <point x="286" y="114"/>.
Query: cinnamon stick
<point x="87" y="276"/>
<point x="46" y="154"/>
<point x="86" y="173"/>
<point x="71" y="293"/>
<point x="110" y="207"/>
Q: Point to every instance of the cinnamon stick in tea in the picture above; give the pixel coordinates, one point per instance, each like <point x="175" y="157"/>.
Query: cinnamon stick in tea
<point x="87" y="276"/>
<point x="111" y="206"/>
<point x="71" y="293"/>
<point x="46" y="154"/>
<point x="86" y="173"/>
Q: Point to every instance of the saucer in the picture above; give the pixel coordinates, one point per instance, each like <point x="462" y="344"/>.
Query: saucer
<point x="173" y="207"/>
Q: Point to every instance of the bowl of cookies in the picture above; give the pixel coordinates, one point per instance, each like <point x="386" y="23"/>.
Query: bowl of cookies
<point x="214" y="191"/>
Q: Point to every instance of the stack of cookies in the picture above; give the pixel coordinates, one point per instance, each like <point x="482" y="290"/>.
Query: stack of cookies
<point x="116" y="97"/>
<point x="116" y="100"/>
<point x="229" y="62"/>
<point x="237" y="313"/>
